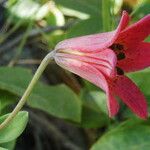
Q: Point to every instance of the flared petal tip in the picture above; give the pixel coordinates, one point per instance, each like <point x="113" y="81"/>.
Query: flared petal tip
<point x="143" y="115"/>
<point x="112" y="104"/>
<point x="124" y="12"/>
<point x="113" y="113"/>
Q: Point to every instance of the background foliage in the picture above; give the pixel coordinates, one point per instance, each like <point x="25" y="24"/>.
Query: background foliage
<point x="65" y="111"/>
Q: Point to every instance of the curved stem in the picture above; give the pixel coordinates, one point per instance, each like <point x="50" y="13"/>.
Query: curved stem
<point x="30" y="87"/>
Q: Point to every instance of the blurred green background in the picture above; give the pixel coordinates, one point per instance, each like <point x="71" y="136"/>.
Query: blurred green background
<point x="65" y="111"/>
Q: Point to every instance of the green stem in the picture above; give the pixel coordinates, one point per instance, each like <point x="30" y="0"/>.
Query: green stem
<point x="106" y="15"/>
<point x="29" y="89"/>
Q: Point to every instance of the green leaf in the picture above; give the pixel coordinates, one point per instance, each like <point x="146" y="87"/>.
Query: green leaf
<point x="90" y="87"/>
<point x="9" y="145"/>
<point x="15" y="127"/>
<point x="100" y="99"/>
<point x="93" y="112"/>
<point x="127" y="136"/>
<point x="58" y="100"/>
<point x="91" y="18"/>
<point x="1" y="148"/>
<point x="92" y="118"/>
<point x="141" y="10"/>
<point x="85" y="6"/>
<point x="6" y="99"/>
<point x="106" y="15"/>
<point x="88" y="26"/>
<point x="142" y="80"/>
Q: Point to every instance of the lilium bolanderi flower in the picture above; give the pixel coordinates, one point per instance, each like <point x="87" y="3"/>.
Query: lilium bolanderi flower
<point x="103" y="58"/>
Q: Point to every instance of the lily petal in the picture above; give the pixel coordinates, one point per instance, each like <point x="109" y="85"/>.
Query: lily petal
<point x="112" y="103"/>
<point x="95" y="42"/>
<point x="131" y="96"/>
<point x="135" y="33"/>
<point x="137" y="58"/>
<point x="104" y="61"/>
<point x="92" y="67"/>
<point x="82" y="69"/>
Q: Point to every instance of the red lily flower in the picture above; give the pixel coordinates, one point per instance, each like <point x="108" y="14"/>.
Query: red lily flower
<point x="103" y="58"/>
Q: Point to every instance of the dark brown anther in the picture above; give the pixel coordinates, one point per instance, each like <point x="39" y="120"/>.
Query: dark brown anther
<point x="121" y="56"/>
<point x="119" y="71"/>
<point x="116" y="47"/>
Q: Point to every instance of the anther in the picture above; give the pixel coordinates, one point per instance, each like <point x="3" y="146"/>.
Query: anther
<point x="119" y="71"/>
<point x="121" y="56"/>
<point x="116" y="46"/>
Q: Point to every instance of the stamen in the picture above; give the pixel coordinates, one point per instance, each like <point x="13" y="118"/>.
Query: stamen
<point x="119" y="71"/>
<point x="69" y="51"/>
<point x="117" y="46"/>
<point x="121" y="56"/>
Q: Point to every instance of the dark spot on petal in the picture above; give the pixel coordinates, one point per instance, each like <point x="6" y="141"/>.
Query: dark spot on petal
<point x="121" y="56"/>
<point x="119" y="71"/>
<point x="117" y="46"/>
